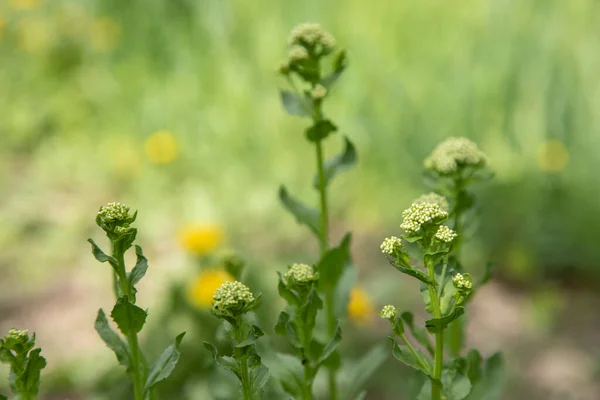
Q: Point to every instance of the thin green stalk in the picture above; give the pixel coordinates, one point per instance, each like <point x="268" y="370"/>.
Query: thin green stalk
<point x="443" y="278"/>
<point x="417" y="356"/>
<point x="308" y="382"/>
<point x="132" y="339"/>
<point x="245" y="376"/>
<point x="439" y="337"/>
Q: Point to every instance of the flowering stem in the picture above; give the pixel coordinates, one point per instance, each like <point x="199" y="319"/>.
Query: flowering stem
<point x="132" y="339"/>
<point x="439" y="337"/>
<point x="245" y="376"/>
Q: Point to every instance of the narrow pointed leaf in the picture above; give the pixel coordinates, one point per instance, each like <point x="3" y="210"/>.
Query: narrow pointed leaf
<point x="405" y="355"/>
<point x="164" y="364"/>
<point x="294" y="104"/>
<point x="339" y="163"/>
<point x="101" y="256"/>
<point x="112" y="340"/>
<point x="141" y="266"/>
<point x="304" y="215"/>
<point x="418" y="333"/>
<point x="332" y="345"/>
<point x="333" y="263"/>
<point x="437" y="325"/>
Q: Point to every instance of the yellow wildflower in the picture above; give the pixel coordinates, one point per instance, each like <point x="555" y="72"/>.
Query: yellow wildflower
<point x="360" y="306"/>
<point x="553" y="156"/>
<point x="162" y="147"/>
<point x="200" y="239"/>
<point x="201" y="290"/>
<point x="24" y="4"/>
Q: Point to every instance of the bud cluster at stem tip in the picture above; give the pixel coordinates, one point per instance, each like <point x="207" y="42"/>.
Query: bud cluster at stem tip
<point x="453" y="153"/>
<point x="232" y="298"/>
<point x="391" y="244"/>
<point x="434" y="198"/>
<point x="462" y="283"/>
<point x="301" y="273"/>
<point x="388" y="312"/>
<point x="419" y="214"/>
<point x="445" y="234"/>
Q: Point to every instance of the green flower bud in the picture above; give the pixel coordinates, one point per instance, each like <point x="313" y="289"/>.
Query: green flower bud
<point x="462" y="283"/>
<point x="312" y="35"/>
<point x="318" y="92"/>
<point x="391" y="245"/>
<point x="420" y="214"/>
<point x="454" y="153"/>
<point x="114" y="213"/>
<point x="301" y="274"/>
<point x="388" y="312"/>
<point x="445" y="234"/>
<point x="232" y="299"/>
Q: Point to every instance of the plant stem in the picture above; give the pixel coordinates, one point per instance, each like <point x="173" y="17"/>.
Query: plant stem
<point x="439" y="337"/>
<point x="308" y="381"/>
<point x="324" y="237"/>
<point x="132" y="339"/>
<point x="245" y="376"/>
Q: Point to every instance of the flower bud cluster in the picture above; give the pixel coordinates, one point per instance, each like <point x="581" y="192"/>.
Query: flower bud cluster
<point x="318" y="92"/>
<point x="114" y="213"/>
<point x="311" y="35"/>
<point x="462" y="283"/>
<point x="232" y="297"/>
<point x="301" y="273"/>
<point x="388" y="312"/>
<point x="454" y="152"/>
<point x="391" y="244"/>
<point x="445" y="234"/>
<point x="434" y="198"/>
<point x="419" y="214"/>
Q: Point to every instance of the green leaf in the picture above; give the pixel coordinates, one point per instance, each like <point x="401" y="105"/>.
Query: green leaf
<point x="308" y="311"/>
<point x="228" y="363"/>
<point x="455" y="385"/>
<point x="3" y="397"/>
<point x="30" y="379"/>
<point x="295" y="104"/>
<point x="492" y="382"/>
<point x="128" y="317"/>
<point x="333" y="263"/>
<point x="141" y="266"/>
<point x="253" y="335"/>
<point x="304" y="215"/>
<point x="405" y="355"/>
<point x="320" y="130"/>
<point x="290" y="374"/>
<point x="285" y="293"/>
<point x="332" y="345"/>
<point x="164" y="364"/>
<point x="258" y="379"/>
<point x="414" y="272"/>
<point x="338" y="163"/>
<point x="360" y="373"/>
<point x="287" y="328"/>
<point x="101" y="256"/>
<point x="437" y="325"/>
<point x="419" y="334"/>
<point x="112" y="340"/>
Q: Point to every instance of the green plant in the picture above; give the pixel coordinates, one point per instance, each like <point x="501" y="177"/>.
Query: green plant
<point x="115" y="219"/>
<point x="445" y="289"/>
<point x="233" y="302"/>
<point x="26" y="363"/>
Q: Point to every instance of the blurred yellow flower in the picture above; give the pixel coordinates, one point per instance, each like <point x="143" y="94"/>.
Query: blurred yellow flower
<point x="33" y="35"/>
<point x="360" y="306"/>
<point x="201" y="290"/>
<point x="24" y="4"/>
<point x="553" y="156"/>
<point x="162" y="147"/>
<point x="105" y="34"/>
<point x="200" y="239"/>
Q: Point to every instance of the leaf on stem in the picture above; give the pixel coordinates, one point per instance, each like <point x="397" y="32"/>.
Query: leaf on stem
<point x="294" y="104"/>
<point x="164" y="364"/>
<point x="320" y="130"/>
<point x="414" y="272"/>
<point x="112" y="340"/>
<point x="362" y="370"/>
<point x="30" y="379"/>
<point x="226" y="362"/>
<point x="333" y="263"/>
<point x="436" y="325"/>
<point x="331" y="346"/>
<point x="101" y="256"/>
<point x="304" y="215"/>
<point x="337" y="164"/>
<point x="128" y="316"/>
<point x="141" y="266"/>
<point x="406" y="356"/>
<point x="419" y="334"/>
<point x="289" y="373"/>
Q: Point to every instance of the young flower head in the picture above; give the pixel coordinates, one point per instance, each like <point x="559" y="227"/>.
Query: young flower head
<point x="301" y="273"/>
<point x="454" y="152"/>
<point x="115" y="220"/>
<point x="297" y="53"/>
<point x="318" y="92"/>
<point x="114" y="213"/>
<point x="434" y="198"/>
<point x="388" y="312"/>
<point x="390" y="245"/>
<point x="462" y="283"/>
<point x="311" y="35"/>
<point x="232" y="299"/>
<point x="420" y="214"/>
<point x="445" y="234"/>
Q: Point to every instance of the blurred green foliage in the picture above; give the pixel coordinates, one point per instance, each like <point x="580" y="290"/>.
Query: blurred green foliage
<point x="84" y="84"/>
